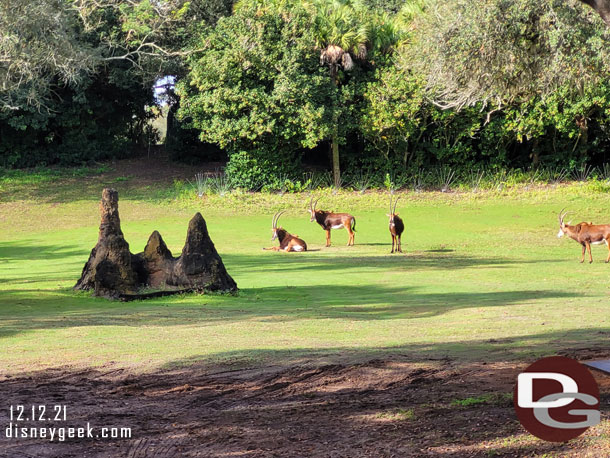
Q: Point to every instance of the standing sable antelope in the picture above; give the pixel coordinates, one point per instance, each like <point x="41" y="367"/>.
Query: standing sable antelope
<point x="330" y="221"/>
<point x="288" y="242"/>
<point x="396" y="227"/>
<point x="586" y="234"/>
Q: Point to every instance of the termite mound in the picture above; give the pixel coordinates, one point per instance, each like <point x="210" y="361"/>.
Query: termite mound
<point x="112" y="271"/>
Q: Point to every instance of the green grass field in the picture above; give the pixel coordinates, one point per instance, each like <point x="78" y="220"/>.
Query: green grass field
<point x="483" y="278"/>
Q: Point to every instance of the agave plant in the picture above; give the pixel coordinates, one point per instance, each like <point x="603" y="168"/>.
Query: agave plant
<point x="201" y="183"/>
<point x="361" y="181"/>
<point x="446" y="176"/>
<point x="583" y="173"/>
<point x="220" y="184"/>
<point x="475" y="177"/>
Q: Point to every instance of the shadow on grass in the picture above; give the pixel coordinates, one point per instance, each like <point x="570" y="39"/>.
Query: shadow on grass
<point x="26" y="310"/>
<point x="574" y="343"/>
<point x="22" y="251"/>
<point x="344" y="262"/>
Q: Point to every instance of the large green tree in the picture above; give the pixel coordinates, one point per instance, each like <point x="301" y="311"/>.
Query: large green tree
<point x="602" y="7"/>
<point x="282" y="75"/>
<point x="348" y="34"/>
<point x="39" y="46"/>
<point x="503" y="51"/>
<point x="255" y="84"/>
<point x="76" y="75"/>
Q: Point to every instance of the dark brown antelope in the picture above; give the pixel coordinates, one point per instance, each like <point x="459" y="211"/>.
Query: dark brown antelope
<point x="587" y="234"/>
<point x="329" y="220"/>
<point x="288" y="242"/>
<point x="396" y="227"/>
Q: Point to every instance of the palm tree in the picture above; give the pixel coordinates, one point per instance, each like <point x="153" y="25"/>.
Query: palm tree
<point x="347" y="31"/>
<point x="340" y="35"/>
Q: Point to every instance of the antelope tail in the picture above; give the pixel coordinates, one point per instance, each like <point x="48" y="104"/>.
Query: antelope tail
<point x="354" y="224"/>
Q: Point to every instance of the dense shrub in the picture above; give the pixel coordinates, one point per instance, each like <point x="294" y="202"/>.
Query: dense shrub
<point x="101" y="118"/>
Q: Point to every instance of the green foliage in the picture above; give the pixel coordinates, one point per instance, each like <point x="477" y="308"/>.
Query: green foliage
<point x="257" y="84"/>
<point x="245" y="172"/>
<point x="40" y="46"/>
<point x="499" y="399"/>
<point x="406" y="89"/>
<point x="101" y="118"/>
<point x="76" y="76"/>
<point x="504" y="51"/>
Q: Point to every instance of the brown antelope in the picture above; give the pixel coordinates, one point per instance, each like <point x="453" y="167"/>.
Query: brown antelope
<point x="587" y="234"/>
<point x="330" y="221"/>
<point x="288" y="242"/>
<point x="396" y="227"/>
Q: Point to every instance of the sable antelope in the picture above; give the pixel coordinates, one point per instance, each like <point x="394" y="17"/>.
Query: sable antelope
<point x="586" y="233"/>
<point x="329" y="220"/>
<point x="288" y="242"/>
<point x="396" y="227"/>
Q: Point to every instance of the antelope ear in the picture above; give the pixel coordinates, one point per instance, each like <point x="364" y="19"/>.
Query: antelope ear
<point x="569" y="223"/>
<point x="387" y="215"/>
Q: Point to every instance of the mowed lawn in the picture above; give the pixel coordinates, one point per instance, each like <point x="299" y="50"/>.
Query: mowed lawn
<point x="481" y="279"/>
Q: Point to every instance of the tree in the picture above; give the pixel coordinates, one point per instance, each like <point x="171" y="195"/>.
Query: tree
<point x="346" y="33"/>
<point x="255" y="86"/>
<point x="39" y="47"/>
<point x="339" y="35"/>
<point x="501" y="52"/>
<point x="76" y="75"/>
<point x="602" y="7"/>
<point x="49" y="43"/>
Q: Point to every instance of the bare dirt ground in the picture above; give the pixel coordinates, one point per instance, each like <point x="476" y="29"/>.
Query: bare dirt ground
<point x="159" y="169"/>
<point x="381" y="408"/>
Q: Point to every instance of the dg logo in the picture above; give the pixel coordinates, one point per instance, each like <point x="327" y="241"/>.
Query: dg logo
<point x="557" y="399"/>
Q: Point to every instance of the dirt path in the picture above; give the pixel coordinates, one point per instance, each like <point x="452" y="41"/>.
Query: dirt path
<point x="385" y="408"/>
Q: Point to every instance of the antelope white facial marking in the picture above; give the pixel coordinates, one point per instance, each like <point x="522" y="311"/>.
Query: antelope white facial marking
<point x="337" y="226"/>
<point x="560" y="234"/>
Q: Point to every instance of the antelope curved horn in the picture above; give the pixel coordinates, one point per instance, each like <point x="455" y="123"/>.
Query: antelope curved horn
<point x="395" y="202"/>
<point x="562" y="215"/>
<point x="315" y="203"/>
<point x="273" y="221"/>
<point x="278" y="217"/>
<point x="390" y="204"/>
<point x="310" y="202"/>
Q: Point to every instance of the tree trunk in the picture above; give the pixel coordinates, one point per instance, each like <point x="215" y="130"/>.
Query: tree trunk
<point x="334" y="146"/>
<point x="535" y="154"/>
<point x="602" y="7"/>
<point x="334" y="140"/>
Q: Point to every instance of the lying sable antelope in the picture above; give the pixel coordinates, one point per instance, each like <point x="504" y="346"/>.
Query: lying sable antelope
<point x="288" y="242"/>
<point x="396" y="227"/>
<point x="330" y="221"/>
<point x="586" y="234"/>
